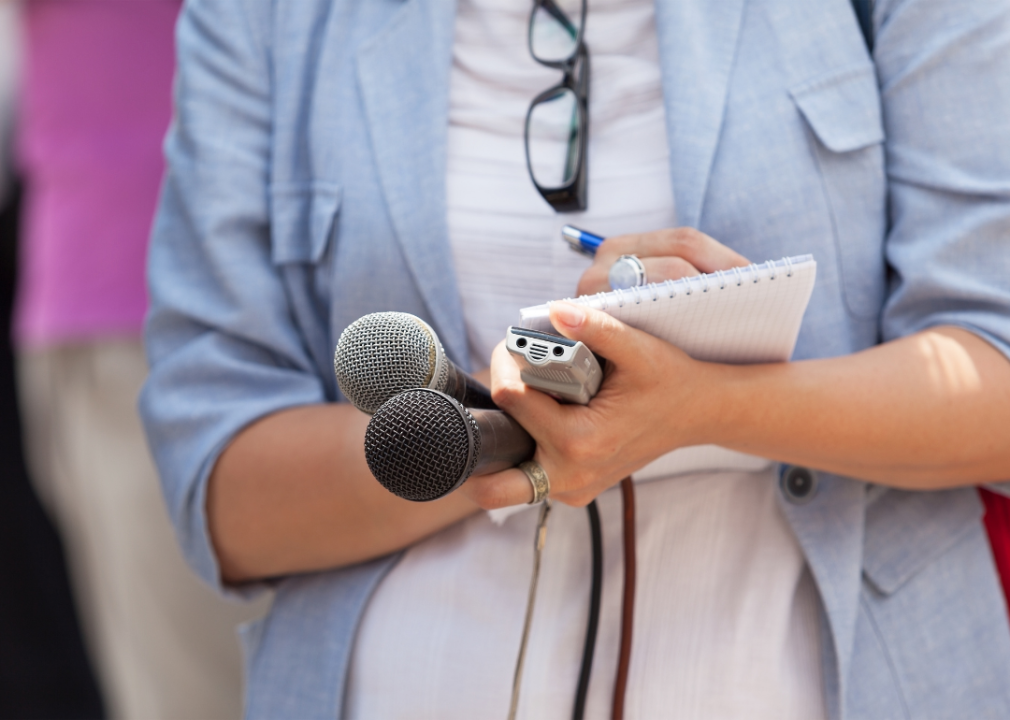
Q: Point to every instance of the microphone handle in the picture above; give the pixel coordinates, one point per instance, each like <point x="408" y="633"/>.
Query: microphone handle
<point x="503" y="442"/>
<point x="466" y="390"/>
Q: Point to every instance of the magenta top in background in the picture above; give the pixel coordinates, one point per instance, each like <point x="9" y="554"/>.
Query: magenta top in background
<point x="96" y="102"/>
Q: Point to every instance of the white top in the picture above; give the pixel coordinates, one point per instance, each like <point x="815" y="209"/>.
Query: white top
<point x="726" y="611"/>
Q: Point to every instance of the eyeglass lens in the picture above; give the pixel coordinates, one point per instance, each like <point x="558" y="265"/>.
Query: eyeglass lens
<point x="554" y="139"/>
<point x="554" y="30"/>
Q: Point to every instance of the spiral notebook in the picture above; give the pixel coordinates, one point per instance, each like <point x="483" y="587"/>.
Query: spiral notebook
<point x="744" y="315"/>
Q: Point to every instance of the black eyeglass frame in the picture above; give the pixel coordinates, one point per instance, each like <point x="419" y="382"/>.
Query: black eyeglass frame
<point x="570" y="197"/>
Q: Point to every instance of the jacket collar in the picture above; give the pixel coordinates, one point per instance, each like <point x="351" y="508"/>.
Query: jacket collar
<point x="697" y="46"/>
<point x="403" y="73"/>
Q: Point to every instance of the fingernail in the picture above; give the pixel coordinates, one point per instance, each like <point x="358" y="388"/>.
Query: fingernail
<point x="569" y="315"/>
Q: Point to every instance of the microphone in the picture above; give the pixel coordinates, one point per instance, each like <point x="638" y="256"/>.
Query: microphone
<point x="383" y="354"/>
<point x="422" y="444"/>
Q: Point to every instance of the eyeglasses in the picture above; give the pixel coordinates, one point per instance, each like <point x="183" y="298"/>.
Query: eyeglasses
<point x="557" y="123"/>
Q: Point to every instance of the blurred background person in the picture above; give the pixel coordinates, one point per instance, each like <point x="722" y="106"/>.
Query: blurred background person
<point x="44" y="671"/>
<point x="96" y="105"/>
<point x="9" y="51"/>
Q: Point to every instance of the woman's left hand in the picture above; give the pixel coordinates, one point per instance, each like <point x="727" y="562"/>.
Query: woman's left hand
<point x="648" y="404"/>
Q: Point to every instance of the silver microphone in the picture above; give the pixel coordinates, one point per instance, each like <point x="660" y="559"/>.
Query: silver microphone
<point x="422" y="444"/>
<point x="383" y="354"/>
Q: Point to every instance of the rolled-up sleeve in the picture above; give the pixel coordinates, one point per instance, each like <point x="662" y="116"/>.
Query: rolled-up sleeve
<point x="944" y="71"/>
<point x="222" y="346"/>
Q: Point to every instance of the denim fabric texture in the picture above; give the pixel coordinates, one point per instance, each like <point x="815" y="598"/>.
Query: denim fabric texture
<point x="306" y="187"/>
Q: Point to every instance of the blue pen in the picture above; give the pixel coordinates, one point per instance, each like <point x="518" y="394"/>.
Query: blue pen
<point x="626" y="272"/>
<point x="581" y="241"/>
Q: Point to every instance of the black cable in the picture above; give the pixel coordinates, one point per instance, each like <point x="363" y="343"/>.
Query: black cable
<point x="593" y="624"/>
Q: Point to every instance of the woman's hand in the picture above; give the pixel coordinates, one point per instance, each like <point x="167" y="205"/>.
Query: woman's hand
<point x="649" y="404"/>
<point x="646" y="406"/>
<point x="666" y="255"/>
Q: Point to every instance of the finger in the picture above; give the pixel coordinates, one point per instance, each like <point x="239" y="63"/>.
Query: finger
<point x="503" y="370"/>
<point x="703" y="252"/>
<point x="596" y="278"/>
<point x="498" y="490"/>
<point x="658" y="269"/>
<point x="602" y="333"/>
<point x="539" y="413"/>
<point x="513" y="487"/>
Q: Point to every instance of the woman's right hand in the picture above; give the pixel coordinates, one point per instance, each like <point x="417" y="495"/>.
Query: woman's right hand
<point x="668" y="254"/>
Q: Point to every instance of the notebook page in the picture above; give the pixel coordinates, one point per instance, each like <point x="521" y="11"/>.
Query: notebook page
<point x="747" y="315"/>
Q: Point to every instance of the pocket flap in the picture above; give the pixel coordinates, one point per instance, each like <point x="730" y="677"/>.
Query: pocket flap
<point x="302" y="220"/>
<point x="907" y="530"/>
<point x="843" y="108"/>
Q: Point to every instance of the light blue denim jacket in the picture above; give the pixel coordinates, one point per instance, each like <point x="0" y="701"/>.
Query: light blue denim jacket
<point x="306" y="187"/>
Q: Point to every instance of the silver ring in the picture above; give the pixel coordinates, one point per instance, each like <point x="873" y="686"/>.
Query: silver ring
<point x="626" y="272"/>
<point x="538" y="479"/>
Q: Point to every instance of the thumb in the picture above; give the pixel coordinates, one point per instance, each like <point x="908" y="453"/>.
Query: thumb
<point x="600" y="332"/>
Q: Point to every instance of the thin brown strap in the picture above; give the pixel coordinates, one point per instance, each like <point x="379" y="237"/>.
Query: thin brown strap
<point x="628" y="604"/>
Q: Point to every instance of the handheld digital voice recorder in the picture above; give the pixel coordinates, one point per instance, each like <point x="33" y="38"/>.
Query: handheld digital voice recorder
<point x="564" y="368"/>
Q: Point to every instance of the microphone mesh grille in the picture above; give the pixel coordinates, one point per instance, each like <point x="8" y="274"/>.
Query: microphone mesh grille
<point x="380" y="355"/>
<point x="417" y="445"/>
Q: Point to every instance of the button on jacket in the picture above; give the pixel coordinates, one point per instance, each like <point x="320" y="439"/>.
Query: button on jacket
<point x="306" y="187"/>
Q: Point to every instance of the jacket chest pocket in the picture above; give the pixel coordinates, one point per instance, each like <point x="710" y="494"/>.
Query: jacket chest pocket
<point x="302" y="229"/>
<point x="842" y="110"/>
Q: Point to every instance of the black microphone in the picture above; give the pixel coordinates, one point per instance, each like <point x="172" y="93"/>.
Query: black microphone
<point x="383" y="354"/>
<point x="422" y="444"/>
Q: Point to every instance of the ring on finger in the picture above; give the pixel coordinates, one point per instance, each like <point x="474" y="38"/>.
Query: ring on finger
<point x="626" y="272"/>
<point x="538" y="479"/>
